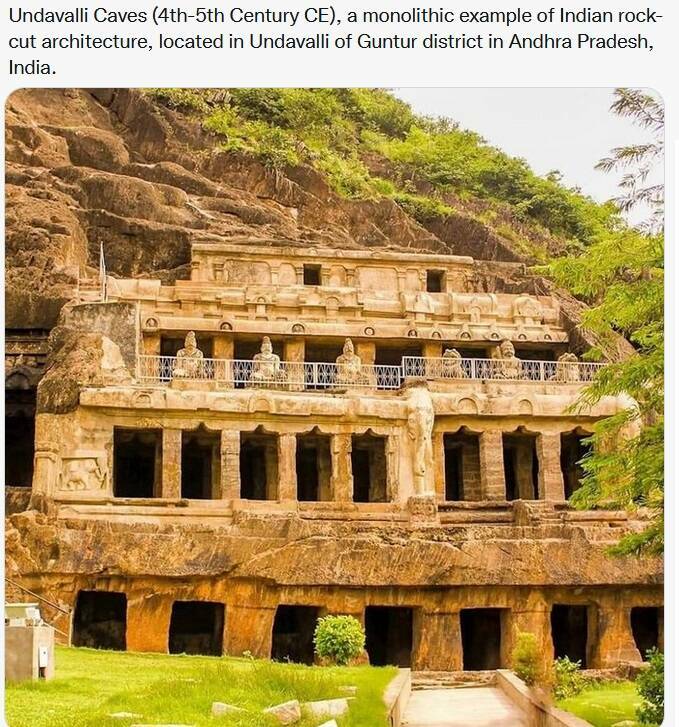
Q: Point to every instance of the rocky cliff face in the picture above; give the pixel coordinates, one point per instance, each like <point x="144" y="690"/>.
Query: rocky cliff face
<point x="112" y="166"/>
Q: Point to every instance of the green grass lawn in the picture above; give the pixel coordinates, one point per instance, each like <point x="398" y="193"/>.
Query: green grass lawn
<point x="89" y="685"/>
<point x="606" y="704"/>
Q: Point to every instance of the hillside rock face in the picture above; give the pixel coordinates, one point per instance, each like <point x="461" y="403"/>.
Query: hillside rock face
<point x="112" y="166"/>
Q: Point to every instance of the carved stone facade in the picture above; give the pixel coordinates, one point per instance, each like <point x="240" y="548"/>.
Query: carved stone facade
<point x="314" y="428"/>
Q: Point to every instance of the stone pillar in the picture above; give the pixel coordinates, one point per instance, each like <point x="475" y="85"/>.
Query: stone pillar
<point x="550" y="481"/>
<point x="293" y="350"/>
<point x="432" y="349"/>
<point x="230" y="465"/>
<point x="614" y="638"/>
<point x="342" y="475"/>
<point x="365" y="350"/>
<point x="171" y="479"/>
<point x="249" y="629"/>
<point x="532" y="616"/>
<point x="492" y="465"/>
<point x="471" y="484"/>
<point x="151" y="343"/>
<point x="524" y="470"/>
<point x="438" y="642"/>
<point x="439" y="465"/>
<point x="287" y="467"/>
<point x="148" y="622"/>
<point x="223" y="346"/>
<point x="271" y="469"/>
<point x="394" y="493"/>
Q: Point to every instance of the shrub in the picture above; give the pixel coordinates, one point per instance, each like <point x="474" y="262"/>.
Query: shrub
<point x="568" y="679"/>
<point x="651" y="689"/>
<point x="526" y="658"/>
<point x="339" y="639"/>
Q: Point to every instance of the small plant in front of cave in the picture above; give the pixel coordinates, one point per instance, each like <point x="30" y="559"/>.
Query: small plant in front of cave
<point x="568" y="679"/>
<point x="339" y="639"/>
<point x="526" y="658"/>
<point x="651" y="688"/>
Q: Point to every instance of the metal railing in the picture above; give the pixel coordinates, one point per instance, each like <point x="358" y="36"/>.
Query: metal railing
<point x="286" y="375"/>
<point x="490" y="369"/>
<point x="66" y="611"/>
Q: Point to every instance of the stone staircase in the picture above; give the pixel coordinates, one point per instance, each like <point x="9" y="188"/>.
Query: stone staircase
<point x="451" y="679"/>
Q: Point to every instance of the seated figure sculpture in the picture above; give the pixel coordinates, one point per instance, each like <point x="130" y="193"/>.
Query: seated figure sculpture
<point x="350" y="367"/>
<point x="266" y="365"/>
<point x="508" y="365"/>
<point x="189" y="360"/>
<point x="452" y="367"/>
<point x="567" y="370"/>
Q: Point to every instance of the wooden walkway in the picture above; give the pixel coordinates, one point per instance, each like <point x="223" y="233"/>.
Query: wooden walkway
<point x="462" y="707"/>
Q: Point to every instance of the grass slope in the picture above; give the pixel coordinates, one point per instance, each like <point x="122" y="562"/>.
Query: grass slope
<point x="605" y="705"/>
<point x="89" y="685"/>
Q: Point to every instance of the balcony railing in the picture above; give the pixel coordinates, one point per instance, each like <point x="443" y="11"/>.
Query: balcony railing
<point x="287" y="375"/>
<point x="491" y="369"/>
<point x="319" y="376"/>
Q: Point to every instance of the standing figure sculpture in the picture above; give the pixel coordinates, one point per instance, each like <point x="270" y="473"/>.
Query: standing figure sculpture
<point x="420" y="427"/>
<point x="508" y="364"/>
<point x="266" y="365"/>
<point x="349" y="367"/>
<point x="189" y="360"/>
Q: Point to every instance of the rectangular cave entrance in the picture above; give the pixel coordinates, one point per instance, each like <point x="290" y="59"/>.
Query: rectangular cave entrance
<point x="19" y="437"/>
<point x="292" y="638"/>
<point x="462" y="467"/>
<point x="100" y="620"/>
<point x="201" y="464"/>
<point x="521" y="466"/>
<point x="482" y="632"/>
<point x="137" y="462"/>
<point x="314" y="467"/>
<point x="258" y="465"/>
<point x="646" y="628"/>
<point x="570" y="632"/>
<point x="389" y="635"/>
<point x="573" y="448"/>
<point x="196" y="627"/>
<point x="369" y="467"/>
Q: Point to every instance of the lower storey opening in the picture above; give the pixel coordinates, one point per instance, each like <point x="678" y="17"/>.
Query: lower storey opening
<point x="570" y="632"/>
<point x="646" y="624"/>
<point x="196" y="627"/>
<point x="389" y="635"/>
<point x="19" y="437"/>
<point x="574" y="447"/>
<point x="200" y="464"/>
<point x="100" y="620"/>
<point x="293" y="634"/>
<point x="481" y="630"/>
<point x="521" y="465"/>
<point x="137" y="462"/>
<point x="369" y="467"/>
<point x="462" y="465"/>
<point x="314" y="467"/>
<point x="258" y="466"/>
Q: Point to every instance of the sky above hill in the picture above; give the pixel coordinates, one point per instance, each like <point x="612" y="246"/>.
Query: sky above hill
<point x="568" y="129"/>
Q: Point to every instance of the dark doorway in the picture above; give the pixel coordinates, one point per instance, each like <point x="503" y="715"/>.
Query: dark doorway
<point x="200" y="464"/>
<point x="312" y="274"/>
<point x="19" y="437"/>
<point x="646" y="628"/>
<point x="435" y="281"/>
<point x="258" y="465"/>
<point x="481" y="630"/>
<point x="100" y="620"/>
<point x="535" y="354"/>
<point x="314" y="467"/>
<point x="369" y="467"/>
<point x="573" y="448"/>
<point x="137" y="462"/>
<point x="570" y="632"/>
<point x="170" y="344"/>
<point x="196" y="627"/>
<point x="389" y="635"/>
<point x="521" y="466"/>
<point x="462" y="465"/>
<point x="293" y="634"/>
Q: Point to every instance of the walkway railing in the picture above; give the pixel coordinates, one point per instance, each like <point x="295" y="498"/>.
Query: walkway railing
<point x="320" y="376"/>
<point x="489" y="369"/>
<point x="290" y="375"/>
<point x="66" y="611"/>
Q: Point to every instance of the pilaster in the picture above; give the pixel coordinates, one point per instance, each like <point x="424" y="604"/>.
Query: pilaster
<point x="492" y="465"/>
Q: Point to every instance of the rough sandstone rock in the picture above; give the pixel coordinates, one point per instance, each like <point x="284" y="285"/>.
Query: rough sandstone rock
<point x="221" y="708"/>
<point x="327" y="707"/>
<point x="287" y="712"/>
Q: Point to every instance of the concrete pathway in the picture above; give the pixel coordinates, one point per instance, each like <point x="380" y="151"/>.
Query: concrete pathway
<point x="462" y="707"/>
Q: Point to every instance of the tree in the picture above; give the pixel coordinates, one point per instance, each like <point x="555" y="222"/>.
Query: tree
<point x="621" y="276"/>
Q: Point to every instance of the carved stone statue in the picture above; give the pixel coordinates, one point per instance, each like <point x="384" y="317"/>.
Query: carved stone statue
<point x="508" y="364"/>
<point x="349" y="366"/>
<point x="528" y="308"/>
<point x="188" y="364"/>
<point x="452" y="364"/>
<point x="567" y="369"/>
<point x="266" y="365"/>
<point x="420" y="426"/>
